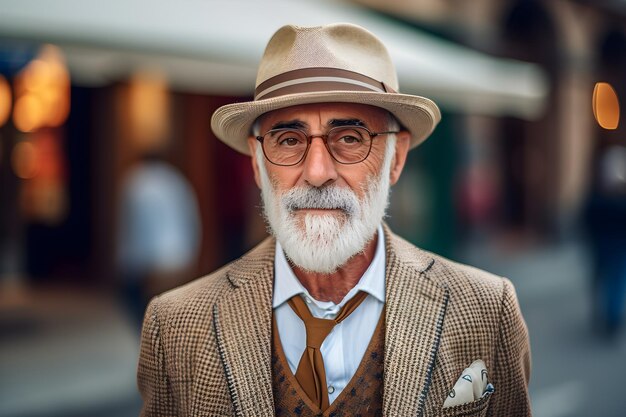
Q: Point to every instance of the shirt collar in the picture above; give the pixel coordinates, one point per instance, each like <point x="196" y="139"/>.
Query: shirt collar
<point x="287" y="285"/>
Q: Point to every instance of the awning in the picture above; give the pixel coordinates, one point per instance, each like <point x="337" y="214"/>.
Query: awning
<point x="214" y="47"/>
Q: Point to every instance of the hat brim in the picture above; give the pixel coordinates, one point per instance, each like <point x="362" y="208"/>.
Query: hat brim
<point x="232" y="123"/>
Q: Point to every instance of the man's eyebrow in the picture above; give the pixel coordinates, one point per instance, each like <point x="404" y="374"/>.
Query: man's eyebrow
<point x="290" y="124"/>
<point x="346" y="122"/>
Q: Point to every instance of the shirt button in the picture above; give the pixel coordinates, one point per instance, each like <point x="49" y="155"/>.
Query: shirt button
<point x="331" y="389"/>
<point x="308" y="300"/>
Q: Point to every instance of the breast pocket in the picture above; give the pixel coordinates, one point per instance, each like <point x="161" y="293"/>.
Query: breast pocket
<point x="477" y="408"/>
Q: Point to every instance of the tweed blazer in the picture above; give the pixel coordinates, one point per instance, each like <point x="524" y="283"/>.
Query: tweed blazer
<point x="206" y="346"/>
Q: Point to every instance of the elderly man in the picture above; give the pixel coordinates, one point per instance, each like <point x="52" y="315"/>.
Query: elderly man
<point x="333" y="315"/>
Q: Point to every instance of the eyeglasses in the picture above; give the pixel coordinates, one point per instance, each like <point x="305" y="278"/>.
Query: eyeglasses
<point x="346" y="144"/>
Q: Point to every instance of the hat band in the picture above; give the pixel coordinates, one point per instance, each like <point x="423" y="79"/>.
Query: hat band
<point x="309" y="80"/>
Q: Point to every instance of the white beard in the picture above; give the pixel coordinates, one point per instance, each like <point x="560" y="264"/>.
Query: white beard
<point x="324" y="242"/>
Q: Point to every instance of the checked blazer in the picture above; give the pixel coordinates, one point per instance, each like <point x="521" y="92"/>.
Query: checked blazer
<point x="206" y="346"/>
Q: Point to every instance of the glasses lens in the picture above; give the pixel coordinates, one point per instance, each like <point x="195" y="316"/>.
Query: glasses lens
<point x="349" y="145"/>
<point x="284" y="146"/>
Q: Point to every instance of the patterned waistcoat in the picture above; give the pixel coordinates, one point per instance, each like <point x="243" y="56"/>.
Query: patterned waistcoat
<point x="363" y="396"/>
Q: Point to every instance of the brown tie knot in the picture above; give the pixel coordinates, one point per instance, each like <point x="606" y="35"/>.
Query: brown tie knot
<point x="317" y="330"/>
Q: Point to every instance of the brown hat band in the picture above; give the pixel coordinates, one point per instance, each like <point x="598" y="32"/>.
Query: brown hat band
<point x="308" y="80"/>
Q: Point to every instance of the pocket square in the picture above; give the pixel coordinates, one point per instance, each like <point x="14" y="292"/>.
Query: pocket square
<point x="471" y="385"/>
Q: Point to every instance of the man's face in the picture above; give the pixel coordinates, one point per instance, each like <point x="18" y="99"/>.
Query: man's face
<point x="321" y="211"/>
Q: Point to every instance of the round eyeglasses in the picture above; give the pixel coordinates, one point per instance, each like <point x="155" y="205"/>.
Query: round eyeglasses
<point x="346" y="144"/>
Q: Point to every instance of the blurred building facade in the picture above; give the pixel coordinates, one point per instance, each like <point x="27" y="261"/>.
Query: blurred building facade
<point x="483" y="173"/>
<point x="540" y="169"/>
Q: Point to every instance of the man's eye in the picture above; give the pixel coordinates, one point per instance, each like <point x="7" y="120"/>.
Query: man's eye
<point x="349" y="139"/>
<point x="288" y="141"/>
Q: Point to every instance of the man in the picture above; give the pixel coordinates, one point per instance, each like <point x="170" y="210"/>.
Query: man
<point x="334" y="314"/>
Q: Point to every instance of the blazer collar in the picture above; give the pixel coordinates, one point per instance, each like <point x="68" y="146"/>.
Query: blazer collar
<point x="250" y="266"/>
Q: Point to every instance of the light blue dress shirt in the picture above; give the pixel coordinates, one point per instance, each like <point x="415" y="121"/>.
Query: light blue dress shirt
<point x="345" y="346"/>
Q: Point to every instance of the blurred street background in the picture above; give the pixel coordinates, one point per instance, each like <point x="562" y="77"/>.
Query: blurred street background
<point x="113" y="187"/>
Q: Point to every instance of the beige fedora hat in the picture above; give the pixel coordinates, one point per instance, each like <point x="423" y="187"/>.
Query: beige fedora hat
<point x="324" y="64"/>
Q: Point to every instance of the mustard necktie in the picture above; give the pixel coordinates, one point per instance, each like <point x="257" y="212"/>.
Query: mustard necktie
<point x="311" y="374"/>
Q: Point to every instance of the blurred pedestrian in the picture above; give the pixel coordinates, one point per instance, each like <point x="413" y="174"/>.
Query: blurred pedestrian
<point x="159" y="231"/>
<point x="605" y="217"/>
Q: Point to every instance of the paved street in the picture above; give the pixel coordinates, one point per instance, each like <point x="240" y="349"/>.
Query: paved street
<point x="66" y="354"/>
<point x="73" y="354"/>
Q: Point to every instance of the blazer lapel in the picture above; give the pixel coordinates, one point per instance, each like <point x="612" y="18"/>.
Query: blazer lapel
<point x="415" y="309"/>
<point x="242" y="321"/>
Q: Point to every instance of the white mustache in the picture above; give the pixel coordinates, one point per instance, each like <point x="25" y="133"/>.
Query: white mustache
<point x="328" y="197"/>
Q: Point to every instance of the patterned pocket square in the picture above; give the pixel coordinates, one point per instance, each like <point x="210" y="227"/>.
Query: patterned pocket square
<point x="471" y="385"/>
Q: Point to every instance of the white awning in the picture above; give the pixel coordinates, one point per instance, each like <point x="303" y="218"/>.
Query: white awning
<point x="214" y="47"/>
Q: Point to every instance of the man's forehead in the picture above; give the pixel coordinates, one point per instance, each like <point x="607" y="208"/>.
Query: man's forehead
<point x="325" y="112"/>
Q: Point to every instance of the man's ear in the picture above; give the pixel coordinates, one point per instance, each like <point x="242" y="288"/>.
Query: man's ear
<point x="403" y="141"/>
<point x="252" y="144"/>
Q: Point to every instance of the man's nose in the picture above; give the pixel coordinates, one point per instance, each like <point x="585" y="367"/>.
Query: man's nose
<point x="319" y="166"/>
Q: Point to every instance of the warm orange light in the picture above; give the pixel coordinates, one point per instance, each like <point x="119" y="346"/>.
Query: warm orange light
<point x="149" y="106"/>
<point x="605" y="106"/>
<point x="57" y="91"/>
<point x="43" y="87"/>
<point x="5" y="100"/>
<point x="25" y="160"/>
